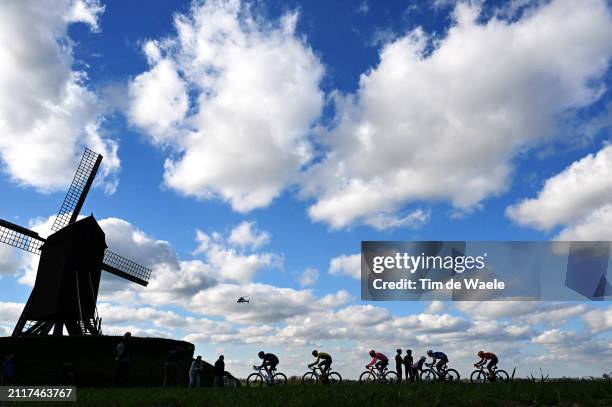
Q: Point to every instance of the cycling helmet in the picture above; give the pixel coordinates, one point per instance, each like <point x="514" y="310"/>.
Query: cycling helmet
<point x="372" y="353"/>
<point x="480" y="353"/>
<point x="430" y="352"/>
<point x="315" y="352"/>
<point x="261" y="354"/>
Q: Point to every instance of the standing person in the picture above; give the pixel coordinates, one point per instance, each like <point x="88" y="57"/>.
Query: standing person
<point x="7" y="370"/>
<point x="219" y="372"/>
<point x="417" y="368"/>
<point x="408" y="361"/>
<point x="171" y="367"/>
<point x="194" y="372"/>
<point x="398" y="365"/>
<point x="123" y="359"/>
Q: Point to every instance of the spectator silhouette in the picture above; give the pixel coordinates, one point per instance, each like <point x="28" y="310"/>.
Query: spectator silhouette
<point x="398" y="365"/>
<point x="171" y="367"/>
<point x="195" y="371"/>
<point x="408" y="361"/>
<point x="66" y="375"/>
<point x="219" y="372"/>
<point x="123" y="359"/>
<point x="8" y="365"/>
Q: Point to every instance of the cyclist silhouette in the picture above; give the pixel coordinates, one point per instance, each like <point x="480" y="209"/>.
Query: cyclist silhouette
<point x="491" y="357"/>
<point x="437" y="356"/>
<point x="325" y="358"/>
<point x="379" y="360"/>
<point x="269" y="361"/>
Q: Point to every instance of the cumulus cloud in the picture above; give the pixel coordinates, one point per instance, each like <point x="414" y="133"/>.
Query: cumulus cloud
<point x="233" y="263"/>
<point x="598" y="320"/>
<point x="9" y="260"/>
<point x="579" y="197"/>
<point x="246" y="235"/>
<point x="47" y="113"/>
<point x="243" y="135"/>
<point x="309" y="277"/>
<point x="267" y="303"/>
<point x="174" y="280"/>
<point x="434" y="307"/>
<point x="346" y="265"/>
<point x="444" y="122"/>
<point x="10" y="312"/>
<point x="527" y="312"/>
<point x="364" y="315"/>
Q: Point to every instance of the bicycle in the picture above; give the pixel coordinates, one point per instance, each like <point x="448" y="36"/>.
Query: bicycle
<point x="481" y="375"/>
<point x="258" y="378"/>
<point x="445" y="375"/>
<point x="313" y="377"/>
<point x="373" y="375"/>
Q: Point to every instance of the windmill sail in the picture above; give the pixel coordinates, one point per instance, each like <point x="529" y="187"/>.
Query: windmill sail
<point x="85" y="174"/>
<point x="122" y="267"/>
<point x="20" y="237"/>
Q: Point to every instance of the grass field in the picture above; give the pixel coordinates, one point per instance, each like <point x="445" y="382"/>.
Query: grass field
<point x="567" y="393"/>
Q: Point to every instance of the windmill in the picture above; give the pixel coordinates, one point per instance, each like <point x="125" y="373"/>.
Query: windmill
<point x="71" y="262"/>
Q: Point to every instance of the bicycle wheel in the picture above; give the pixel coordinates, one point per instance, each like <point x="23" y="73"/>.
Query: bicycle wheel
<point x="279" y="379"/>
<point x="309" y="378"/>
<point x="428" y="376"/>
<point x="451" y="375"/>
<point x="334" y="378"/>
<point x="391" y="377"/>
<point x="501" y="376"/>
<point x="478" y="376"/>
<point x="367" y="377"/>
<point x="255" y="380"/>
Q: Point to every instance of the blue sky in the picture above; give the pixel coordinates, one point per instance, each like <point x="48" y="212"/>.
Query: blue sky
<point x="246" y="143"/>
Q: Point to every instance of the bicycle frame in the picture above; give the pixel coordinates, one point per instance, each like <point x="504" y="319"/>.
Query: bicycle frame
<point x="263" y="372"/>
<point x="439" y="373"/>
<point x="379" y="374"/>
<point x="318" y="371"/>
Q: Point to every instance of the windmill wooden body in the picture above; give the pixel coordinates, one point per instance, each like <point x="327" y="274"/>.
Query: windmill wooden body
<point x="72" y="260"/>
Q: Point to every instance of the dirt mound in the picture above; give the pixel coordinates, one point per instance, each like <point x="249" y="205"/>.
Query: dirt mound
<point x="39" y="360"/>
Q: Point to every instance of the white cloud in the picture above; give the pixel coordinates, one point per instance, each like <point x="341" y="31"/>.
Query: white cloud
<point x="526" y="312"/>
<point x="432" y="323"/>
<point x="256" y="86"/>
<point x="414" y="219"/>
<point x="9" y="260"/>
<point x="445" y="125"/>
<point x="267" y="303"/>
<point x="598" y="320"/>
<point x="47" y="114"/>
<point x="434" y="307"/>
<point x="335" y="300"/>
<point x="580" y="196"/>
<point x="346" y="265"/>
<point x="10" y="312"/>
<point x="363" y="315"/>
<point x="246" y="235"/>
<point x="309" y="277"/>
<point x="233" y="264"/>
<point x="596" y="225"/>
<point x="159" y="99"/>
<point x="114" y="315"/>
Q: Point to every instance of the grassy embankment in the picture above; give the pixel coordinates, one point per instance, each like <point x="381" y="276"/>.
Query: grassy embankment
<point x="565" y="393"/>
